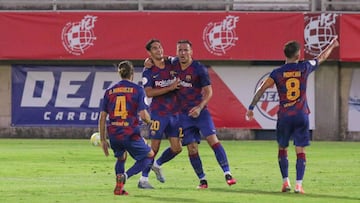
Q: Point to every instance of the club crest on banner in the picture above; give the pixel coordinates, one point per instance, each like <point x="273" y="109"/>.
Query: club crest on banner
<point x="318" y="32"/>
<point x="79" y="36"/>
<point x="219" y="37"/>
<point x="268" y="104"/>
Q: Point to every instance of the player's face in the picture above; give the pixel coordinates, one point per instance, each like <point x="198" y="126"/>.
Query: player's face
<point x="156" y="51"/>
<point x="298" y="55"/>
<point x="184" y="52"/>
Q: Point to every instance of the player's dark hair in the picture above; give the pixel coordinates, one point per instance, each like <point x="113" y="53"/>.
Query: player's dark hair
<point x="291" y="48"/>
<point x="184" y="41"/>
<point x="125" y="69"/>
<point x="150" y="42"/>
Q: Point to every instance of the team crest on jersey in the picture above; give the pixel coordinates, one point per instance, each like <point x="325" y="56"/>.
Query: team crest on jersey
<point x="79" y="36"/>
<point x="268" y="104"/>
<point x="319" y="31"/>
<point x="219" y="37"/>
<point x="188" y="78"/>
<point x="173" y="73"/>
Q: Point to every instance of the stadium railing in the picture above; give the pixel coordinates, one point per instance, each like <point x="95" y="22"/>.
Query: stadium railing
<point x="143" y="5"/>
<point x="184" y="5"/>
<point x="340" y="5"/>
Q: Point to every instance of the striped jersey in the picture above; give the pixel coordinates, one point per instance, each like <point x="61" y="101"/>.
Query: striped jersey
<point x="193" y="79"/>
<point x="122" y="102"/>
<point x="291" y="82"/>
<point x="155" y="77"/>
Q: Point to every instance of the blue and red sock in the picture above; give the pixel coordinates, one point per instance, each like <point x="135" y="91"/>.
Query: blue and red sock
<point x="166" y="156"/>
<point x="197" y="165"/>
<point x="120" y="166"/>
<point x="146" y="170"/>
<point x="283" y="162"/>
<point x="221" y="157"/>
<point x="300" y="166"/>
<point x="138" y="166"/>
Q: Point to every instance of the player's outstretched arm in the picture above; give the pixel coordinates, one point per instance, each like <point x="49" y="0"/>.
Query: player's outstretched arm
<point x="269" y="82"/>
<point x="327" y="51"/>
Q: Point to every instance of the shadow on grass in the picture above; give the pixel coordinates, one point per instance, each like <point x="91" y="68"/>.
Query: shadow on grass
<point x="168" y="199"/>
<point x="242" y="191"/>
<point x="312" y="195"/>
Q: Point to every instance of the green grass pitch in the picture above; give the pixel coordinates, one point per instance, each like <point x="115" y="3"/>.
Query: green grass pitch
<point x="65" y="170"/>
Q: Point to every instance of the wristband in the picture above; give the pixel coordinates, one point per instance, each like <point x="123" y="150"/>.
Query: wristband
<point x="251" y="107"/>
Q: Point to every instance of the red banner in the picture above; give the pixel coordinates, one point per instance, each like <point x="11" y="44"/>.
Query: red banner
<point x="350" y="37"/>
<point x="319" y="30"/>
<point x="122" y="35"/>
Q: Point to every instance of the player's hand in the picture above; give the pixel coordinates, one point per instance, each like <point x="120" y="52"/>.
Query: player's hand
<point x="105" y="147"/>
<point x="175" y="85"/>
<point x="195" y="111"/>
<point x="334" y="42"/>
<point x="148" y="63"/>
<point x="249" y="115"/>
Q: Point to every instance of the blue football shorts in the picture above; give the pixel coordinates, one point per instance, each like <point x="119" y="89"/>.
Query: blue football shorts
<point x="194" y="128"/>
<point x="296" y="127"/>
<point x="134" y="144"/>
<point x="164" y="125"/>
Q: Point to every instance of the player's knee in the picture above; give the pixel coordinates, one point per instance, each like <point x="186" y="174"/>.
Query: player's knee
<point x="151" y="153"/>
<point x="212" y="139"/>
<point x="192" y="148"/>
<point x="176" y="149"/>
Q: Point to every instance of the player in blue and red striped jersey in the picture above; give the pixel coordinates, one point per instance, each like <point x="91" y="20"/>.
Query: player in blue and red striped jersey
<point x="293" y="121"/>
<point x="123" y="103"/>
<point x="160" y="83"/>
<point x="195" y="119"/>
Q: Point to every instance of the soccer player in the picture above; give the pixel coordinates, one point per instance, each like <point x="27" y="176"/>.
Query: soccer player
<point x="124" y="103"/>
<point x="195" y="119"/>
<point x="160" y="83"/>
<point x="293" y="121"/>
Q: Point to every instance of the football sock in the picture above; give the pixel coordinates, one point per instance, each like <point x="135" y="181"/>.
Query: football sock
<point x="144" y="179"/>
<point x="300" y="166"/>
<point x="221" y="156"/>
<point x="227" y="173"/>
<point x="147" y="168"/>
<point x="166" y="156"/>
<point x="138" y="166"/>
<point x="283" y="162"/>
<point x="119" y="166"/>
<point x="197" y="165"/>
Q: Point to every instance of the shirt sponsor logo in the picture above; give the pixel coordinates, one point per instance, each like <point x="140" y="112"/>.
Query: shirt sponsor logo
<point x="164" y="83"/>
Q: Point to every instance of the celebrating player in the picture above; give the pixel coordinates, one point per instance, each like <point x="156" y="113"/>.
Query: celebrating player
<point x="160" y="84"/>
<point x="293" y="121"/>
<point x="195" y="118"/>
<point x="124" y="102"/>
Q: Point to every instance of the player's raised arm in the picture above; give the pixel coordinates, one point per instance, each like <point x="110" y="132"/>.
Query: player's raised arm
<point x="269" y="82"/>
<point x="148" y="63"/>
<point x="327" y="51"/>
